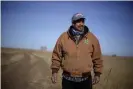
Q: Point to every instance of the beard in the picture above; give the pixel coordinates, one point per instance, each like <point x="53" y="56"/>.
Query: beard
<point x="81" y="28"/>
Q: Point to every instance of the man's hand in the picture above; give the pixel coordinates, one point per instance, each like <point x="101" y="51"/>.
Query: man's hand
<point x="96" y="80"/>
<point x="54" y="78"/>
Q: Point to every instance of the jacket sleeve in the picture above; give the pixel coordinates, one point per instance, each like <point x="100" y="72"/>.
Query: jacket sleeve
<point x="97" y="57"/>
<point x="56" y="56"/>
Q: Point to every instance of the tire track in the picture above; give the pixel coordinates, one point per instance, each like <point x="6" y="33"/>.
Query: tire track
<point x="30" y="72"/>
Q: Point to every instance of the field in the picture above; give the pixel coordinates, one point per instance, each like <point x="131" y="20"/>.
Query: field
<point x="30" y="69"/>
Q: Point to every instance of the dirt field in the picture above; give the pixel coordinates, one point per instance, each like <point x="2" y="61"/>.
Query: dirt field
<point x="29" y="69"/>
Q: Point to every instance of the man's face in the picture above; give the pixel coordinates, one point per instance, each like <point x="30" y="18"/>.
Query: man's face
<point x="79" y="24"/>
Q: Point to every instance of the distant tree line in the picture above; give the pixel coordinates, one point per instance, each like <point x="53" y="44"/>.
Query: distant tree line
<point x="114" y="55"/>
<point x="43" y="48"/>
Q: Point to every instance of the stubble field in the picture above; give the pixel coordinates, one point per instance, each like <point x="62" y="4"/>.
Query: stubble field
<point x="30" y="69"/>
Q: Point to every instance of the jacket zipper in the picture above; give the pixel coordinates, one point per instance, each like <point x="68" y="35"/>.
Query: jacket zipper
<point x="77" y="42"/>
<point x="77" y="49"/>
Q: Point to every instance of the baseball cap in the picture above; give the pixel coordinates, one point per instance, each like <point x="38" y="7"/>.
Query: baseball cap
<point x="77" y="16"/>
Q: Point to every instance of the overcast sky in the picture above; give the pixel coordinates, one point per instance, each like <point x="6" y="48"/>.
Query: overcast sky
<point x="34" y="24"/>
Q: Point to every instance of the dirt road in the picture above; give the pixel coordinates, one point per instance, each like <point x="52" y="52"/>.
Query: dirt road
<point x="25" y="71"/>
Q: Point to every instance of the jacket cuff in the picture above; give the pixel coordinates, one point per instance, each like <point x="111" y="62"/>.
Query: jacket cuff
<point x="54" y="70"/>
<point x="97" y="74"/>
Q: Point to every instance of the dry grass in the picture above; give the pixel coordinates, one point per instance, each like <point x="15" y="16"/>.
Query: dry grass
<point x="118" y="73"/>
<point x="29" y="69"/>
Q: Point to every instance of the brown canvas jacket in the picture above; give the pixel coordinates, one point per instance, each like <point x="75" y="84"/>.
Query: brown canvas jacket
<point x="82" y="57"/>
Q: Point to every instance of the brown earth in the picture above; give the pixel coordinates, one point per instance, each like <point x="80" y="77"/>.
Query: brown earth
<point x="30" y="69"/>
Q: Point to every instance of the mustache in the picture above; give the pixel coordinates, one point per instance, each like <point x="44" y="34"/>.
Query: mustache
<point x="81" y="26"/>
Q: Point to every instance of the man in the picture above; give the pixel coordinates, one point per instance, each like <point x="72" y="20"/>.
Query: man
<point x="77" y="52"/>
